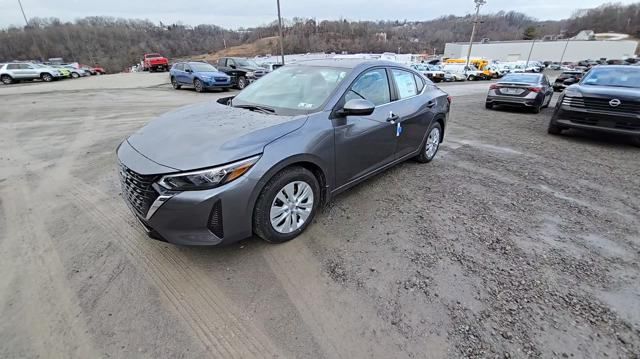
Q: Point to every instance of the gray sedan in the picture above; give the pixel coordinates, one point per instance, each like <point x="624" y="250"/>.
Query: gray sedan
<point x="264" y="161"/>
<point x="520" y="89"/>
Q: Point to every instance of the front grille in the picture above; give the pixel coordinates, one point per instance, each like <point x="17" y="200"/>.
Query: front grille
<point x="259" y="73"/>
<point x="215" y="220"/>
<point x="221" y="79"/>
<point x="600" y="104"/>
<point x="137" y="189"/>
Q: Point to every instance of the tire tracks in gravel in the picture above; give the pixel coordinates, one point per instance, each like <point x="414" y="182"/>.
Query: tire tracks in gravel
<point x="200" y="303"/>
<point x="340" y="324"/>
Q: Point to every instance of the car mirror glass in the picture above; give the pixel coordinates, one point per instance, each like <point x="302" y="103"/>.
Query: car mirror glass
<point x="358" y="107"/>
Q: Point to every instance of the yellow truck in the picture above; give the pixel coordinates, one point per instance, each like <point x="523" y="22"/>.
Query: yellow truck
<point x="480" y="64"/>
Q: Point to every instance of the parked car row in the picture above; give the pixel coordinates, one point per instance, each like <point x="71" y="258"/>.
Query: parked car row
<point x="12" y="72"/>
<point x="605" y="99"/>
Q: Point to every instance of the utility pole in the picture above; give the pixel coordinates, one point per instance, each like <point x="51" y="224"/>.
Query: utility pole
<point x="473" y="31"/>
<point x="529" y="57"/>
<point x="564" y="51"/>
<point x="23" y="15"/>
<point x="280" y="31"/>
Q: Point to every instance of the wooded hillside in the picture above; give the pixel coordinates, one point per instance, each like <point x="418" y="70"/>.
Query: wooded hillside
<point x="118" y="43"/>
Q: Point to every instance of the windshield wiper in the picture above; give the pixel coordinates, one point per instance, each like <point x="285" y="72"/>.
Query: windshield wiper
<point x="258" y="108"/>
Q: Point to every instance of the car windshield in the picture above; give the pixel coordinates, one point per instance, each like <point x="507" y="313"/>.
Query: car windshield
<point x="202" y="67"/>
<point x="153" y="55"/>
<point x="420" y="67"/>
<point x="293" y="89"/>
<point x="246" y="63"/>
<point x="528" y="79"/>
<point x="613" y="76"/>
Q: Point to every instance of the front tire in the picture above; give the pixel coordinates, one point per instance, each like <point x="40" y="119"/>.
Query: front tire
<point x="198" y="85"/>
<point x="75" y="75"/>
<point x="287" y="205"/>
<point x="242" y="82"/>
<point x="46" y="77"/>
<point x="430" y="147"/>
<point x="554" y="129"/>
<point x="471" y="78"/>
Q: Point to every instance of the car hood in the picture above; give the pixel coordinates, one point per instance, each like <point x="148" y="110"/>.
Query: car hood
<point x="252" y="68"/>
<point x="609" y="92"/>
<point x="212" y="73"/>
<point x="209" y="134"/>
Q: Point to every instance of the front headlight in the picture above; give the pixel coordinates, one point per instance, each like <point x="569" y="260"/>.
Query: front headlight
<point x="250" y="74"/>
<point x="209" y="178"/>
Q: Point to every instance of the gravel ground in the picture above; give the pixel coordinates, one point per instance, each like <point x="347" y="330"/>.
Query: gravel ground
<point x="511" y="244"/>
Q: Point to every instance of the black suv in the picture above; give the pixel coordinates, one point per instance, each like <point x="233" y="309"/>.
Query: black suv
<point x="606" y="99"/>
<point x="242" y="71"/>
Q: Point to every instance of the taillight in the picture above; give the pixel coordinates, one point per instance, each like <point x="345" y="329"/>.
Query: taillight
<point x="535" y="89"/>
<point x="449" y="98"/>
<point x="493" y="87"/>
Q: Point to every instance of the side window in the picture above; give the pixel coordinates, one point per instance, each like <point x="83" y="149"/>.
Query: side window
<point x="13" y="66"/>
<point x="186" y="67"/>
<point x="179" y="67"/>
<point x="419" y="83"/>
<point x="230" y="62"/>
<point x="405" y="82"/>
<point x="373" y="86"/>
<point x="26" y="67"/>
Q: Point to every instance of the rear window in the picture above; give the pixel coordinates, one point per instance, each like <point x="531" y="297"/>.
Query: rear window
<point x="528" y="79"/>
<point x="153" y="55"/>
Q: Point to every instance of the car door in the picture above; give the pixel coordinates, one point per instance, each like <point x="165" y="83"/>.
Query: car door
<point x="181" y="75"/>
<point x="365" y="143"/>
<point x="413" y="109"/>
<point x="29" y="71"/>
<point x="14" y="71"/>
<point x="188" y="75"/>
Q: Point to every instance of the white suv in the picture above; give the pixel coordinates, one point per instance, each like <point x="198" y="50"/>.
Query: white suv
<point x="20" y="71"/>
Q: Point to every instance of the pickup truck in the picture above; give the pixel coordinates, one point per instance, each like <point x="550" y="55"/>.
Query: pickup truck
<point x="155" y="62"/>
<point x="242" y="71"/>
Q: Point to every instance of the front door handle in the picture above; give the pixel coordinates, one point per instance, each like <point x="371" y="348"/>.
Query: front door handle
<point x="392" y="117"/>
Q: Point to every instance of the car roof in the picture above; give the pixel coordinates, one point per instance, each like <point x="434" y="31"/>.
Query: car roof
<point x="347" y="63"/>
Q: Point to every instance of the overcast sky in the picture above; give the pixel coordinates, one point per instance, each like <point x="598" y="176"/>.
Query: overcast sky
<point x="246" y="13"/>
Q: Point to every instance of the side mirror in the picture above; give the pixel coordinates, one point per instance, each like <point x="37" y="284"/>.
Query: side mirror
<point x="188" y="70"/>
<point x="569" y="82"/>
<point x="357" y="107"/>
<point x="232" y="66"/>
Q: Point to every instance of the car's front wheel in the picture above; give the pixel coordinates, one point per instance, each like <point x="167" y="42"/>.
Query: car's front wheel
<point x="198" y="85"/>
<point x="431" y="145"/>
<point x="75" y="75"/>
<point x="46" y="77"/>
<point x="286" y="206"/>
<point x="554" y="129"/>
<point x="242" y="82"/>
<point x="175" y="84"/>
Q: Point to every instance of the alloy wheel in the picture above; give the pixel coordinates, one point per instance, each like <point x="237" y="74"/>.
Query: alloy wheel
<point x="198" y="85"/>
<point x="291" y="207"/>
<point x="433" y="141"/>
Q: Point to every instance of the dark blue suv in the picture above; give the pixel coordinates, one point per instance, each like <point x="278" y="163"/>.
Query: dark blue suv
<point x="200" y="75"/>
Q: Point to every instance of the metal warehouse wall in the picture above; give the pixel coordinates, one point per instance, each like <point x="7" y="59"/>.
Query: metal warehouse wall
<point x="545" y="50"/>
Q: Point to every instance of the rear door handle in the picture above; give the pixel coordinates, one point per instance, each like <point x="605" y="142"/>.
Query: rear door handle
<point x="392" y="117"/>
<point x="431" y="103"/>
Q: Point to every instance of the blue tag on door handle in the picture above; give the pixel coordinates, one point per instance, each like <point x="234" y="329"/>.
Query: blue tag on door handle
<point x="398" y="129"/>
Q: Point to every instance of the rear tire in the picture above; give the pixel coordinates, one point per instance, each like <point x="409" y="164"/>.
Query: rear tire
<point x="267" y="204"/>
<point x="636" y="141"/>
<point x="431" y="145"/>
<point x="175" y="84"/>
<point x="6" y="79"/>
<point x="75" y="75"/>
<point x="488" y="106"/>
<point x="471" y="78"/>
<point x="536" y="109"/>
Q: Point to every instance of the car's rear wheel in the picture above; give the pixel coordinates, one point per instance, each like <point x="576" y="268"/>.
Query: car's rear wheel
<point x="6" y="79"/>
<point x="431" y="145"/>
<point x="488" y="105"/>
<point x="197" y="84"/>
<point x="636" y="141"/>
<point x="175" y="84"/>
<point x="242" y="82"/>
<point x="471" y="78"/>
<point x="286" y="206"/>
<point x="46" y="77"/>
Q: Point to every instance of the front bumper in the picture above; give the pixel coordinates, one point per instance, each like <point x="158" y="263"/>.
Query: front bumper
<point x="213" y="84"/>
<point x="198" y="218"/>
<point x="602" y="121"/>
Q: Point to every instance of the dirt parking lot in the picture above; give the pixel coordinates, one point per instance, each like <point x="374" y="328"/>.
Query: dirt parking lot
<point x="511" y="244"/>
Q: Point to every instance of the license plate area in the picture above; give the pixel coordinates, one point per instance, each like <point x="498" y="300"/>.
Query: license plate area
<point x="511" y="91"/>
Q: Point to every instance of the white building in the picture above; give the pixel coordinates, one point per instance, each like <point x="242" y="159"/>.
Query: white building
<point x="544" y="50"/>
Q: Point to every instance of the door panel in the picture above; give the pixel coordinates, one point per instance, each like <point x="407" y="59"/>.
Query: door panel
<point x="415" y="111"/>
<point x="363" y="143"/>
